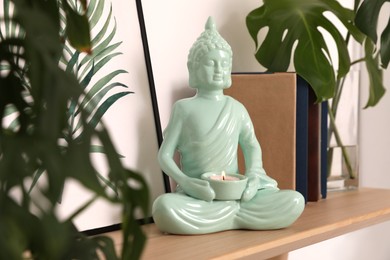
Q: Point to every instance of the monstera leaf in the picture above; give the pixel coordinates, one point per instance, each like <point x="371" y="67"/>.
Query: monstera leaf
<point x="295" y="31"/>
<point x="377" y="90"/>
<point x="298" y="22"/>
<point x="367" y="20"/>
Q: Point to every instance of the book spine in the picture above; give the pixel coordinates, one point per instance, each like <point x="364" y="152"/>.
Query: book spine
<point x="302" y="104"/>
<point x="324" y="148"/>
<point x="314" y="148"/>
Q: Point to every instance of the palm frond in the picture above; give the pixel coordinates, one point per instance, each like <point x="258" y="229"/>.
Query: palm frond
<point x="100" y="88"/>
<point x="87" y="68"/>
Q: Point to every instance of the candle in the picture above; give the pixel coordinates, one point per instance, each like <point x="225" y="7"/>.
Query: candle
<point x="226" y="186"/>
<point x="223" y="177"/>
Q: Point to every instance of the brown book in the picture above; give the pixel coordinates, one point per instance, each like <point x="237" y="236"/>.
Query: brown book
<point x="271" y="103"/>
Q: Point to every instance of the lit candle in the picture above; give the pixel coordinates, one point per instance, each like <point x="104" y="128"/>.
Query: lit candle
<point x="226" y="186"/>
<point x="223" y="177"/>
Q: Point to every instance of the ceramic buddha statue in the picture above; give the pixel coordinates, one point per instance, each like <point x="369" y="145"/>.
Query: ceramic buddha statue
<point x="206" y="130"/>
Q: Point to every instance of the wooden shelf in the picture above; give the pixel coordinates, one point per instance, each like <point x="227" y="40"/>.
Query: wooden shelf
<point x="340" y="213"/>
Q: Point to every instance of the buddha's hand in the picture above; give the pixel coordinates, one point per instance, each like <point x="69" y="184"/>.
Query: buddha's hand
<point x="251" y="188"/>
<point x="197" y="188"/>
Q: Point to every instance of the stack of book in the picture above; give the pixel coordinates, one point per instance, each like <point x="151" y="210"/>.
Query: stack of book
<point x="290" y="126"/>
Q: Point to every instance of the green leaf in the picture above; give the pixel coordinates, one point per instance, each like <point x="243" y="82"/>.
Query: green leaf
<point x="367" y="17"/>
<point x="138" y="196"/>
<point x="377" y="90"/>
<point x="91" y="103"/>
<point x="72" y="62"/>
<point x="367" y="21"/>
<point x="133" y="237"/>
<point x="98" y="52"/>
<point x="96" y="99"/>
<point x="100" y="149"/>
<point x="15" y="148"/>
<point x="87" y="79"/>
<point x="67" y="50"/>
<point x="99" y="45"/>
<point x="82" y="247"/>
<point x="84" y="4"/>
<point x="52" y="162"/>
<point x="96" y="149"/>
<point x="94" y="68"/>
<point x="95" y="14"/>
<point x="103" y="30"/>
<point x="106" y="58"/>
<point x="36" y="177"/>
<point x="50" y="8"/>
<point x="49" y="244"/>
<point x="9" y="110"/>
<point x="77" y="29"/>
<point x="14" y="125"/>
<point x="7" y="18"/>
<point x="102" y="109"/>
<point x="18" y="226"/>
<point x="100" y="85"/>
<point x="81" y="167"/>
<point x="385" y="46"/>
<point x="108" y="183"/>
<point x="106" y="246"/>
<point x="12" y="94"/>
<point x="91" y="7"/>
<point x="46" y="119"/>
<point x="297" y="22"/>
<point x="82" y="208"/>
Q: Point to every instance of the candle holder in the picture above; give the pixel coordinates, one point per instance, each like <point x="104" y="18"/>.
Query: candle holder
<point x="226" y="187"/>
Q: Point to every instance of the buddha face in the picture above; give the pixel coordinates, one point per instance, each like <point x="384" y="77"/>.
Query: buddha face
<point x="213" y="71"/>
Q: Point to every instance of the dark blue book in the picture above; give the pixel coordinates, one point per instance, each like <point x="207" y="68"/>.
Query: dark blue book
<point x="311" y="162"/>
<point x="324" y="148"/>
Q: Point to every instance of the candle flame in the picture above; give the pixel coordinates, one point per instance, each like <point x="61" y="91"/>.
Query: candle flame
<point x="223" y="175"/>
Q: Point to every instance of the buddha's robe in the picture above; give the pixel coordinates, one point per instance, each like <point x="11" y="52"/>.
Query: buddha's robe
<point x="216" y="151"/>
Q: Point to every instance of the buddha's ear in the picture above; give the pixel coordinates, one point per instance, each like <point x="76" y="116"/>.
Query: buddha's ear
<point x="228" y="83"/>
<point x="192" y="81"/>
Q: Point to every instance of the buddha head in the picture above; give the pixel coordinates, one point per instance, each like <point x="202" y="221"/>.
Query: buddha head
<point x="210" y="60"/>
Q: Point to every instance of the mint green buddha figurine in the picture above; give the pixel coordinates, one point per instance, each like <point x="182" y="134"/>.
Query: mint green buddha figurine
<point x="206" y="130"/>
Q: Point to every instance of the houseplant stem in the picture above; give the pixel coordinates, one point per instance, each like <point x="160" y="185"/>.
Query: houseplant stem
<point x="340" y="144"/>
